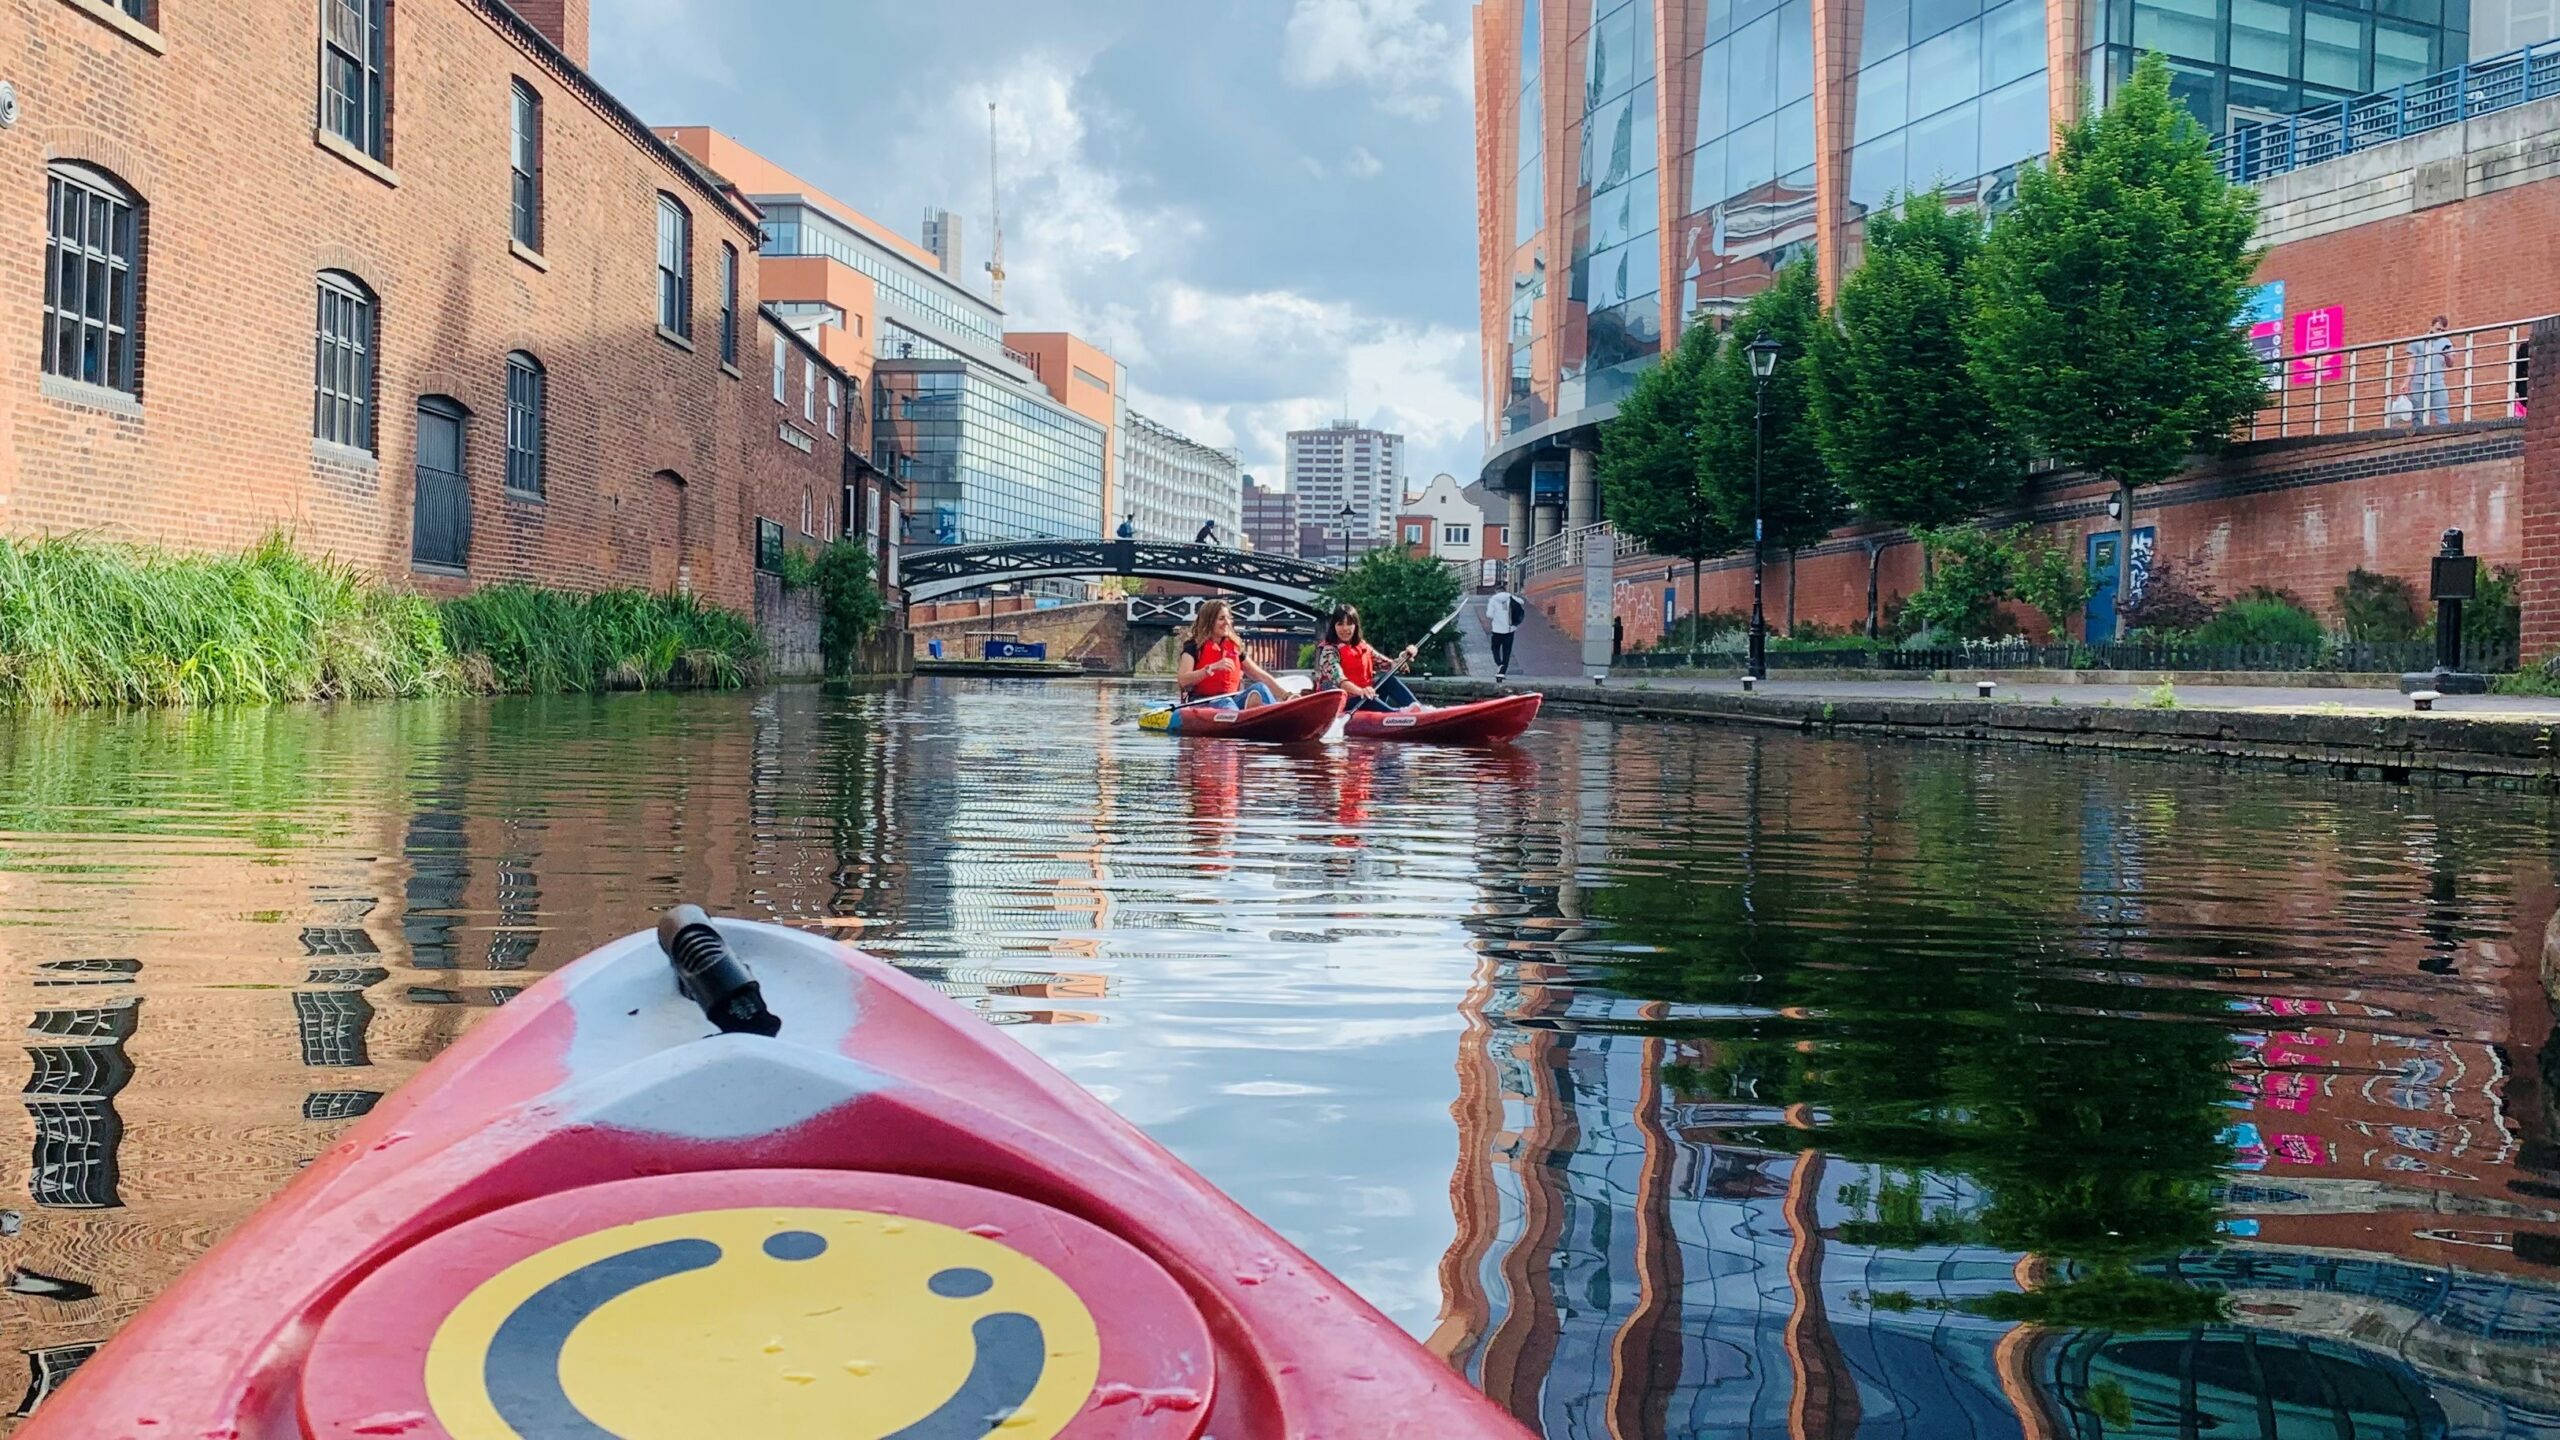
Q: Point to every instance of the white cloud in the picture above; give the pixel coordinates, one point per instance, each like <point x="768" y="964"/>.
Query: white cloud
<point x="1087" y="249"/>
<point x="1411" y="64"/>
<point x="1364" y="164"/>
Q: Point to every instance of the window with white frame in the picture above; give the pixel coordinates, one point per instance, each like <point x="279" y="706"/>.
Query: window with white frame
<point x="781" y="370"/>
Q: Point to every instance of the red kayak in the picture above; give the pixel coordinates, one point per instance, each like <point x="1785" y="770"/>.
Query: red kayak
<point x="1481" y="722"/>
<point x="1306" y="717"/>
<point x="772" y="1189"/>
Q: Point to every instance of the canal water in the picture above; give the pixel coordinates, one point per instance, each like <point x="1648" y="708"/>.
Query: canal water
<point x="1672" y="1081"/>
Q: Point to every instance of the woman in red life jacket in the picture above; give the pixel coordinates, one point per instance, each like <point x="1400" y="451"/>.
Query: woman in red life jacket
<point x="1347" y="662"/>
<point x="1215" y="667"/>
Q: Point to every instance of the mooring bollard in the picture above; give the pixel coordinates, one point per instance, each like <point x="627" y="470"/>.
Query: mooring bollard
<point x="1982" y="688"/>
<point x="2425" y="699"/>
<point x="1749" y="683"/>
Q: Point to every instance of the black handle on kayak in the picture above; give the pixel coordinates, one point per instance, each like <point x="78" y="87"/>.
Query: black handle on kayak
<point x="711" y="977"/>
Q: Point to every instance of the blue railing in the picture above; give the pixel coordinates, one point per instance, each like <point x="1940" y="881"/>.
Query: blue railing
<point x="2325" y="132"/>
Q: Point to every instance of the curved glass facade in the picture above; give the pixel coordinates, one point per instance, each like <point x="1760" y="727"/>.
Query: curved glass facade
<point x="791" y="229"/>
<point x="1612" y="324"/>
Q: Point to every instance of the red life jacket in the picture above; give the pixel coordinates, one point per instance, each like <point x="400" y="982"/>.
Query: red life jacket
<point x="1354" y="660"/>
<point x="1225" y="682"/>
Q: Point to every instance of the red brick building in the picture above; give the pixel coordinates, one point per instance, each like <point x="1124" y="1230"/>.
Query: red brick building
<point x="399" y="278"/>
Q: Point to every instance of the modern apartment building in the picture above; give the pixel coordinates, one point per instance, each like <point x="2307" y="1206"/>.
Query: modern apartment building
<point x="984" y="443"/>
<point x="1347" y="467"/>
<point x="1170" y="484"/>
<point x="1643" y="165"/>
<point x="1270" y="518"/>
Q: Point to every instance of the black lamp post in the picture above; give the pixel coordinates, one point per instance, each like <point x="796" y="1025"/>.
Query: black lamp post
<point x="1764" y="363"/>
<point x="1346" y="516"/>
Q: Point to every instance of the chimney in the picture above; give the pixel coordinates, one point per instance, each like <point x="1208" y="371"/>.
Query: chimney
<point x="564" y="22"/>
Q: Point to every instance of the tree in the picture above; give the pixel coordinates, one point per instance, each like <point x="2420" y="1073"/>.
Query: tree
<point x="1649" y="464"/>
<point x="1399" y="596"/>
<point x="1910" y="436"/>
<point x="1797" y="498"/>
<point x="2104" y="306"/>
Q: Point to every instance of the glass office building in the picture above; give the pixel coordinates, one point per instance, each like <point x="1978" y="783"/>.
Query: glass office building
<point x="1646" y="165"/>
<point x="984" y="459"/>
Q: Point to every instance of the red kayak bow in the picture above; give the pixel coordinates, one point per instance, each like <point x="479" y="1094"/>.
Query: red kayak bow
<point x="803" y="1197"/>
<point x="1305" y="717"/>
<point x="1482" y="722"/>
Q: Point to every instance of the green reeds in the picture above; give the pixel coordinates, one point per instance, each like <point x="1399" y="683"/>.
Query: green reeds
<point x="86" y="622"/>
<point x="523" y="638"/>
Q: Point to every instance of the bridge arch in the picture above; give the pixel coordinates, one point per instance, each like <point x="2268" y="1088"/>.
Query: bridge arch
<point x="931" y="574"/>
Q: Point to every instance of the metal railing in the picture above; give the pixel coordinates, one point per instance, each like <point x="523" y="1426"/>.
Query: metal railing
<point x="2451" y="377"/>
<point x="2342" y="127"/>
<point x="2346" y="656"/>
<point x="1565" y="551"/>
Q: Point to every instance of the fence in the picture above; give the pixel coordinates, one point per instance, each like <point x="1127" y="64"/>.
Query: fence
<point x="2325" y="132"/>
<point x="1565" y="550"/>
<point x="2451" y="377"/>
<point x="2343" y="656"/>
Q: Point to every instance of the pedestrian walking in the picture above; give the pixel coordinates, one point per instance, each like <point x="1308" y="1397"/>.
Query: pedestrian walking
<point x="1503" y="612"/>
<point x="1129" y="527"/>
<point x="2430" y="357"/>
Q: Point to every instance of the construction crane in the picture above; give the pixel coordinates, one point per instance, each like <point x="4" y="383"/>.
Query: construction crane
<point x="995" y="202"/>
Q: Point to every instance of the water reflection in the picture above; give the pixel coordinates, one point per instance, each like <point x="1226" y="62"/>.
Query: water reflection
<point x="1671" y="1081"/>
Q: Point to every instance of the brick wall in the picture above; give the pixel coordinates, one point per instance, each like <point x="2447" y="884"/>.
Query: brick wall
<point x="211" y="121"/>
<point x="2295" y="515"/>
<point x="1098" y="632"/>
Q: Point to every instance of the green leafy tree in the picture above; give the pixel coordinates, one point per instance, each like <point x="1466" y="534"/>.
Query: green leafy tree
<point x="1399" y="597"/>
<point x="1649" y="464"/>
<point x="2104" y="306"/>
<point x="1797" y="496"/>
<point x="1905" y="428"/>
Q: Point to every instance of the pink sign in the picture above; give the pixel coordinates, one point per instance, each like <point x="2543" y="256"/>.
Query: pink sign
<point x="2322" y="329"/>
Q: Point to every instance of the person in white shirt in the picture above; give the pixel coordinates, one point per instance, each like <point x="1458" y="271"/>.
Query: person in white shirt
<point x="1501" y="621"/>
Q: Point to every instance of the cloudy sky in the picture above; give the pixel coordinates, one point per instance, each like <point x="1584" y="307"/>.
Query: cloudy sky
<point x="1259" y="206"/>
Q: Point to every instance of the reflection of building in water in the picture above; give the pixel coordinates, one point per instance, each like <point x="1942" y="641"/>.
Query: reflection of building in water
<point x="1621" y="1270"/>
<point x="70" y="1096"/>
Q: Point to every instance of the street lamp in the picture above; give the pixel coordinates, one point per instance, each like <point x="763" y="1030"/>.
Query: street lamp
<point x="1346" y="516"/>
<point x="1764" y="363"/>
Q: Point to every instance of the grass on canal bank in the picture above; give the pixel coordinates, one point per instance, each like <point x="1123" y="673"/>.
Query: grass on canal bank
<point x="84" y="623"/>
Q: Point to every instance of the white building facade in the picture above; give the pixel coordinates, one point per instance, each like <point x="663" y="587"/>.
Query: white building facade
<point x="1346" y="464"/>
<point x="1172" y="483"/>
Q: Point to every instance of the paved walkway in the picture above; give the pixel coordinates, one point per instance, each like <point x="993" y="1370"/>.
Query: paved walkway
<point x="2303" y="699"/>
<point x="1540" y="651"/>
<point x="1544" y="653"/>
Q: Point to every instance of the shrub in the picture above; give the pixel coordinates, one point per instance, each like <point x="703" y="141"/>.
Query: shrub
<point x="2262" y="617"/>
<point x="2494" y="622"/>
<point x="2375" y="608"/>
<point x="1974" y="571"/>
<point x="2173" y="600"/>
<point x="850" y="607"/>
<point x="1702" y="631"/>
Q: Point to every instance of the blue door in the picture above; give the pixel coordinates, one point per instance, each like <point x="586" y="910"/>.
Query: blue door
<point x="2100" y="618"/>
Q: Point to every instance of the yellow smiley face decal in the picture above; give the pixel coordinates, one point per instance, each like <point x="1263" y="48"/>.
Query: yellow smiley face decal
<point x="777" y="1323"/>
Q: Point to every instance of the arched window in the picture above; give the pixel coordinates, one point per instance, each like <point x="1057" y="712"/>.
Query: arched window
<point x="92" y="279"/>
<point x="528" y="423"/>
<point x="342" y="362"/>
<point x="675" y="268"/>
